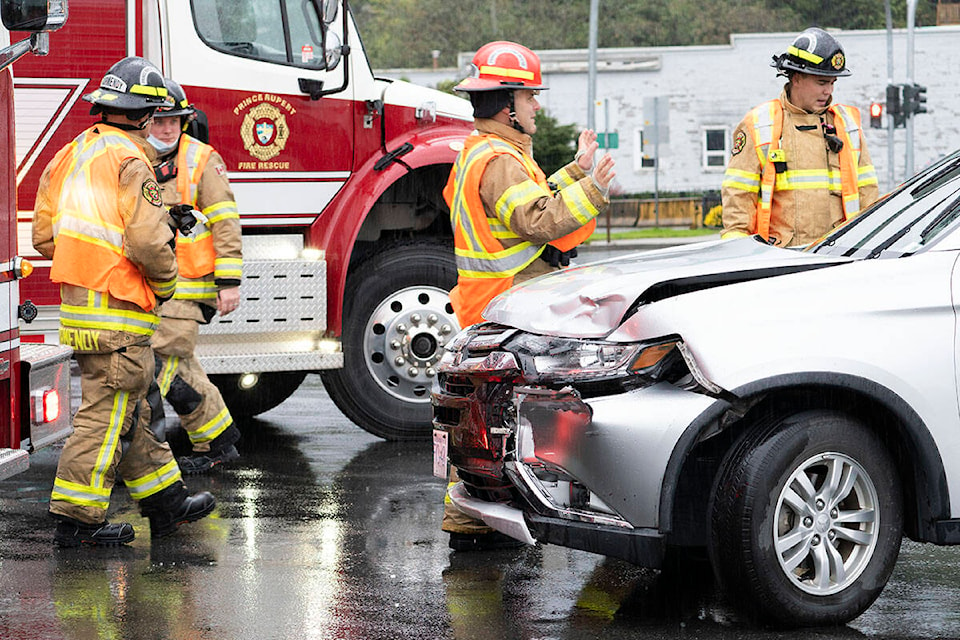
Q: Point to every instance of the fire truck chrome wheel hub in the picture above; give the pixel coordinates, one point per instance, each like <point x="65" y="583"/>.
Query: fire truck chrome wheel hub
<point x="403" y="340"/>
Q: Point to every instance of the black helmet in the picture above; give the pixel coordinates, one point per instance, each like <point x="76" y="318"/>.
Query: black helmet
<point x="176" y="103"/>
<point x="815" y="52"/>
<point x="132" y="84"/>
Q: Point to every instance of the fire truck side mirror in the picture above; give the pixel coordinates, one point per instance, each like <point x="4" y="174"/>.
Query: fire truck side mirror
<point x="33" y="15"/>
<point x="328" y="10"/>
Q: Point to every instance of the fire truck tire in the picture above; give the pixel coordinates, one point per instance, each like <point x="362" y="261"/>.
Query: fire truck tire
<point x="397" y="317"/>
<point x="271" y="389"/>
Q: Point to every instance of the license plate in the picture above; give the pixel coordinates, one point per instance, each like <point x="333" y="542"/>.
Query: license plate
<point x="440" y="453"/>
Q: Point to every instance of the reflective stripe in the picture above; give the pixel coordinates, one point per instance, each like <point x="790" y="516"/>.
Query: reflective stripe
<point x="218" y="211"/>
<point x="167" y="373"/>
<point x="78" y="494"/>
<point x="111" y="439"/>
<point x="154" y="482"/>
<point x="508" y="262"/>
<point x="228" y="268"/>
<point x="196" y="290"/>
<point x="742" y="180"/>
<point x="579" y="203"/>
<point x="101" y="317"/>
<point x="507" y="73"/>
<point x="804" y="55"/>
<point x="212" y="428"/>
<point x="517" y="196"/>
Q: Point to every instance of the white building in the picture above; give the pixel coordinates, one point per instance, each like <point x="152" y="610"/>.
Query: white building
<point x="705" y="91"/>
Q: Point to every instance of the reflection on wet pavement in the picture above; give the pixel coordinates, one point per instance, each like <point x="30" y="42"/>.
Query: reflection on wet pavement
<point x="323" y="531"/>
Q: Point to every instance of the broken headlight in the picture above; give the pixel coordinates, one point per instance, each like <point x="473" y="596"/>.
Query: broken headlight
<point x="573" y="359"/>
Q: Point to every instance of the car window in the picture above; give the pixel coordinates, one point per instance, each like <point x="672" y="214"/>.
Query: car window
<point x="278" y="31"/>
<point x="922" y="210"/>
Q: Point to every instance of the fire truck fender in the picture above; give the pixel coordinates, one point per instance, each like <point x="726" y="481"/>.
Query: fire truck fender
<point x="337" y="230"/>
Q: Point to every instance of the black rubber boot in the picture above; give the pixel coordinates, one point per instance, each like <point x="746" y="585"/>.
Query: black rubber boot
<point x="173" y="507"/>
<point x="222" y="450"/>
<point x="204" y="462"/>
<point x="483" y="541"/>
<point x="73" y="533"/>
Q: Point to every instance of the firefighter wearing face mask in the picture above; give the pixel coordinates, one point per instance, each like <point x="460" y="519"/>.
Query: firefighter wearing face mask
<point x="510" y="222"/>
<point x="99" y="217"/>
<point x="799" y="164"/>
<point x="191" y="173"/>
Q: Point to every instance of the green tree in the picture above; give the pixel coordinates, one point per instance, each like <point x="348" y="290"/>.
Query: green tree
<point x="553" y="144"/>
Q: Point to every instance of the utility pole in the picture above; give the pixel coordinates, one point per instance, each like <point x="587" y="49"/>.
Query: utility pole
<point x="891" y="116"/>
<point x="592" y="66"/>
<point x="911" y="10"/>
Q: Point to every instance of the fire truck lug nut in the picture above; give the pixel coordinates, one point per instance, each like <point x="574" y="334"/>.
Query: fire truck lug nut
<point x="401" y="328"/>
<point x="399" y="361"/>
<point x="415" y="318"/>
<point x="445" y="329"/>
<point x="413" y="372"/>
<point x="432" y="318"/>
<point x="394" y="344"/>
<point x="430" y="372"/>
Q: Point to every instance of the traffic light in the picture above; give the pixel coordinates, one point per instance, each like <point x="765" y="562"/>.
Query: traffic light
<point x="894" y="107"/>
<point x="876" y="115"/>
<point x="919" y="99"/>
<point x="914" y="99"/>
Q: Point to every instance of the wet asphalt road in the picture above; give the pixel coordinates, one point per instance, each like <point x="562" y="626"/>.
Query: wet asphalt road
<point x="323" y="531"/>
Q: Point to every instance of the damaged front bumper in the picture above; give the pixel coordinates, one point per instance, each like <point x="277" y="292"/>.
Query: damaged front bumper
<point x="545" y="464"/>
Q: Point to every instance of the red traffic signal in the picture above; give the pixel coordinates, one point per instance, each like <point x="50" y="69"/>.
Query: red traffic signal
<point x="876" y="115"/>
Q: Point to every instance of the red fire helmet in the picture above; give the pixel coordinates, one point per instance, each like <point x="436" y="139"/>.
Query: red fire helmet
<point x="503" y="65"/>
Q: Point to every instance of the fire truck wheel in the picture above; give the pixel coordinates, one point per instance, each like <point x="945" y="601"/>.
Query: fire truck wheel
<point x="397" y="318"/>
<point x="248" y="396"/>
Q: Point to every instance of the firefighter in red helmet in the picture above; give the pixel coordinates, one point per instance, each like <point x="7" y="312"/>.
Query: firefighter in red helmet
<point x="510" y="222"/>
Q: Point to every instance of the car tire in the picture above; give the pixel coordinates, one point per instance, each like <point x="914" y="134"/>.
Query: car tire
<point x="397" y="317"/>
<point x="806" y="520"/>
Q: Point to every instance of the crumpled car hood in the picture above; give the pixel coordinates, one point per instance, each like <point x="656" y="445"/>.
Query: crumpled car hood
<point x="592" y="300"/>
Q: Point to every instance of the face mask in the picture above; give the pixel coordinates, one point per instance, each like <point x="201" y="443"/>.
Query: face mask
<point x="161" y="147"/>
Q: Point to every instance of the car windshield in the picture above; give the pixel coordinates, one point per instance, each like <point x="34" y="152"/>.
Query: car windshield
<point x="911" y="218"/>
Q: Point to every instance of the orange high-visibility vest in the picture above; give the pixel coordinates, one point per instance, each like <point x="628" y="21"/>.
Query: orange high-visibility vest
<point x="485" y="267"/>
<point x="88" y="230"/>
<point x="767" y="120"/>
<point x="195" y="253"/>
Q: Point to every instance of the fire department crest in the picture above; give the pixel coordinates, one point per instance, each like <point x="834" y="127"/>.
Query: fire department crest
<point x="151" y="192"/>
<point x="739" y="141"/>
<point x="837" y="60"/>
<point x="264" y="131"/>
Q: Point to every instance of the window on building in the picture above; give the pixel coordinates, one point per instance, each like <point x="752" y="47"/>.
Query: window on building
<point x="716" y="148"/>
<point x="642" y="152"/>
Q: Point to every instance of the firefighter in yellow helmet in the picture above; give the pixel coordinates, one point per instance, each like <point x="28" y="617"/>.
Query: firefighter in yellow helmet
<point x="799" y="164"/>
<point x="192" y="174"/>
<point x="99" y="217"/>
<point x="510" y="222"/>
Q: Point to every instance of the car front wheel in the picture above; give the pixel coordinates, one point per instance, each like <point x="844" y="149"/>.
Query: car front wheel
<point x="806" y="520"/>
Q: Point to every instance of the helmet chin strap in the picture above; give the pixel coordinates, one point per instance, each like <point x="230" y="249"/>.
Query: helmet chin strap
<point x="513" y="116"/>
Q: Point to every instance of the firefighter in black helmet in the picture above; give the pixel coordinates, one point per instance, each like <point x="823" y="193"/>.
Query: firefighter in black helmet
<point x="815" y="52"/>
<point x="100" y="218"/>
<point x="799" y="164"/>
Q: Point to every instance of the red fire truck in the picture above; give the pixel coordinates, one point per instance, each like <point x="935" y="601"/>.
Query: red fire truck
<point x="348" y="255"/>
<point x="35" y="378"/>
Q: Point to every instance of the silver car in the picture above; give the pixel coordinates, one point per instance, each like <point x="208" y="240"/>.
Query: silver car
<point x="792" y="412"/>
